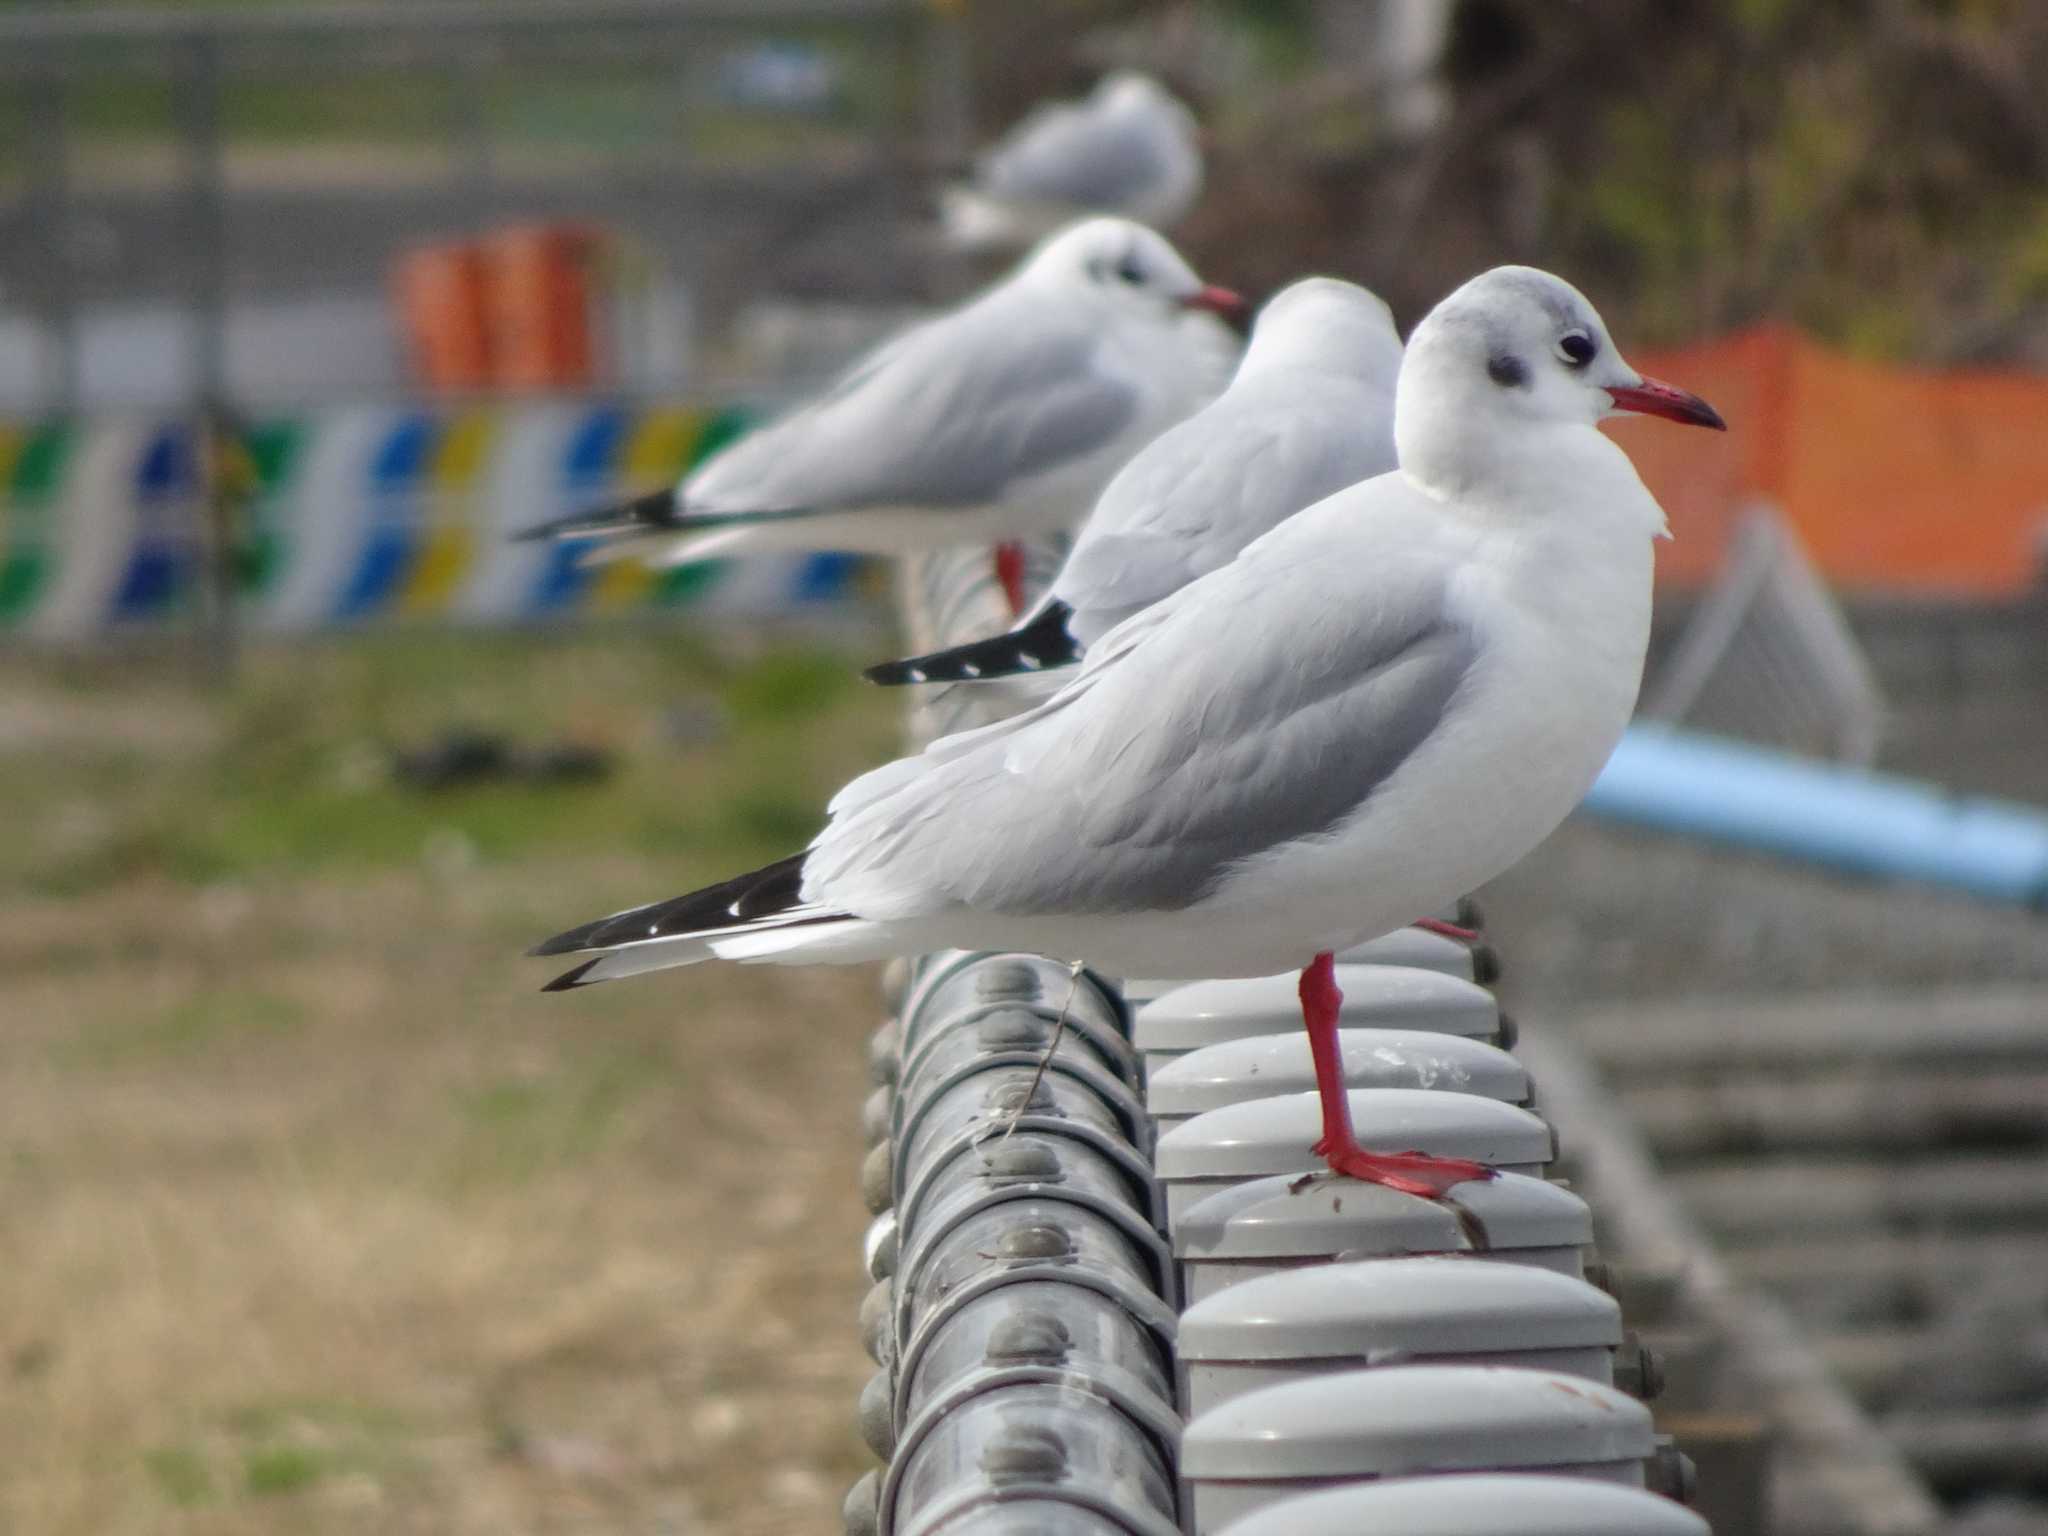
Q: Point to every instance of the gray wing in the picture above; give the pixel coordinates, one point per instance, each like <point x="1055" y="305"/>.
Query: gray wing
<point x="1263" y="704"/>
<point x="945" y="416"/>
<point x="1074" y="155"/>
<point x="1194" y="497"/>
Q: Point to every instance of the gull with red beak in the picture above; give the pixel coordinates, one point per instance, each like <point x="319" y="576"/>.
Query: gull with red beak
<point x="1385" y="701"/>
<point x="1000" y="419"/>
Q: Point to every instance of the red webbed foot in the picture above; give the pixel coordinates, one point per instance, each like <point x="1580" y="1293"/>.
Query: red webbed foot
<point x="1412" y="1173"/>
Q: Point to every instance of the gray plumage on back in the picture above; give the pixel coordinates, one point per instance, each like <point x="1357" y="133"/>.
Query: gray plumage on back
<point x="947" y="416"/>
<point x="1002" y="418"/>
<point x="1081" y="155"/>
<point x="1310" y="411"/>
<point x="1131" y="147"/>
<point x="1227" y="733"/>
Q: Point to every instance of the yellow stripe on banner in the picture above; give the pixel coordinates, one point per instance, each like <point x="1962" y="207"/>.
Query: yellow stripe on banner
<point x="459" y="456"/>
<point x="449" y="542"/>
<point x="656" y="454"/>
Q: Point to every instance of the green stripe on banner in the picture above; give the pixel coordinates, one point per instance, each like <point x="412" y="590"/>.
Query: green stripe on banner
<point x="27" y="560"/>
<point x="42" y="463"/>
<point x="273" y="448"/>
<point x="681" y="583"/>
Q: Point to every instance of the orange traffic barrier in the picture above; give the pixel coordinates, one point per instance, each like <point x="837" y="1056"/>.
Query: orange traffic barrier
<point x="1897" y="481"/>
<point x="439" y="291"/>
<point x="539" y="288"/>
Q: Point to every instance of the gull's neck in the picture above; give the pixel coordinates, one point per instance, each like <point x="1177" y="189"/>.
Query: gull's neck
<point x="1518" y="469"/>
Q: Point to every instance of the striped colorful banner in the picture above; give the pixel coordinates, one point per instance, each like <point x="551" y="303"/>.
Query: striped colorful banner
<point x="361" y="515"/>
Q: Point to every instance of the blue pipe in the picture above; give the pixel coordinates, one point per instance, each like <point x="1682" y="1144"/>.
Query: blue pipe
<point x="1850" y="818"/>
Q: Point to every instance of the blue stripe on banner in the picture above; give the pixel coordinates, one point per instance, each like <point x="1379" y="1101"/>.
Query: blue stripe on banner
<point x="824" y="576"/>
<point x="589" y="463"/>
<point x="396" y="475"/>
<point x="593" y="452"/>
<point x="403" y="458"/>
<point x="379" y="569"/>
<point x="165" y="479"/>
<point x="560" y="578"/>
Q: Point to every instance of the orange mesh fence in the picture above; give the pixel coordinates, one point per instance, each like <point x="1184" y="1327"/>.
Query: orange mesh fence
<point x="1896" y="481"/>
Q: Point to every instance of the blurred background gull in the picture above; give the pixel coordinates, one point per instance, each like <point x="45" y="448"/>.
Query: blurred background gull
<point x="319" y="1219"/>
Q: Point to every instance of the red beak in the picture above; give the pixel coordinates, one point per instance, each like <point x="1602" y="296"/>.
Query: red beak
<point x="1220" y="301"/>
<point x="1653" y="397"/>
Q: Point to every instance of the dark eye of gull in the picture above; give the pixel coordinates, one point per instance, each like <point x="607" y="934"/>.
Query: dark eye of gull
<point x="1129" y="270"/>
<point x="1577" y="348"/>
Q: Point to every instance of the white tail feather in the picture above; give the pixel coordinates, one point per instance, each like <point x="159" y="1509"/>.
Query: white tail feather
<point x="810" y="943"/>
<point x="714" y="545"/>
<point x="638" y="959"/>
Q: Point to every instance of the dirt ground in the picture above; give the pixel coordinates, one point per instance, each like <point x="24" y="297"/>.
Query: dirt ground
<point x="317" y="1217"/>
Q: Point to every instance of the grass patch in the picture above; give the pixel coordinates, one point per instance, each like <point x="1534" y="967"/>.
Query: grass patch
<point x="296" y="1443"/>
<point x="180" y="1474"/>
<point x="290" y="771"/>
<point x="226" y="1018"/>
<point x="517" y="1128"/>
<point x="791" y="685"/>
<point x="275" y="1469"/>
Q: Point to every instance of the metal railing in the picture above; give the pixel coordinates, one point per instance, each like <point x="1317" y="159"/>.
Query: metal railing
<point x="1042" y="1212"/>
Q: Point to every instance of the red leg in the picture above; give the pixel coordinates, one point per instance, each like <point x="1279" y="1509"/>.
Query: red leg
<point x="1448" y="930"/>
<point x="1412" y="1173"/>
<point x="1010" y="572"/>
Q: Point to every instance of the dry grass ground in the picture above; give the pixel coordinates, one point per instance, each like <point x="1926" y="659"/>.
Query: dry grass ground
<point x="314" y="1215"/>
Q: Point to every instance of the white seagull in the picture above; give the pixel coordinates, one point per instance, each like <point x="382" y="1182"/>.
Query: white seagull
<point x="999" y="419"/>
<point x="1387" y="700"/>
<point x="1309" y="411"/>
<point x="1131" y="147"/>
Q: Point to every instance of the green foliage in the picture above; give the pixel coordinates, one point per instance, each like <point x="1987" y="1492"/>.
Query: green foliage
<point x="1282" y="30"/>
<point x="1872" y="172"/>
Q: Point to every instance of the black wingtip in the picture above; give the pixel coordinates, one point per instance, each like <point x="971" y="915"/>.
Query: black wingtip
<point x="569" y="981"/>
<point x="1038" y="646"/>
<point x="894" y="674"/>
<point x="759" y="893"/>
<point x="562" y="943"/>
<point x="655" y="510"/>
<point x="582" y="936"/>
